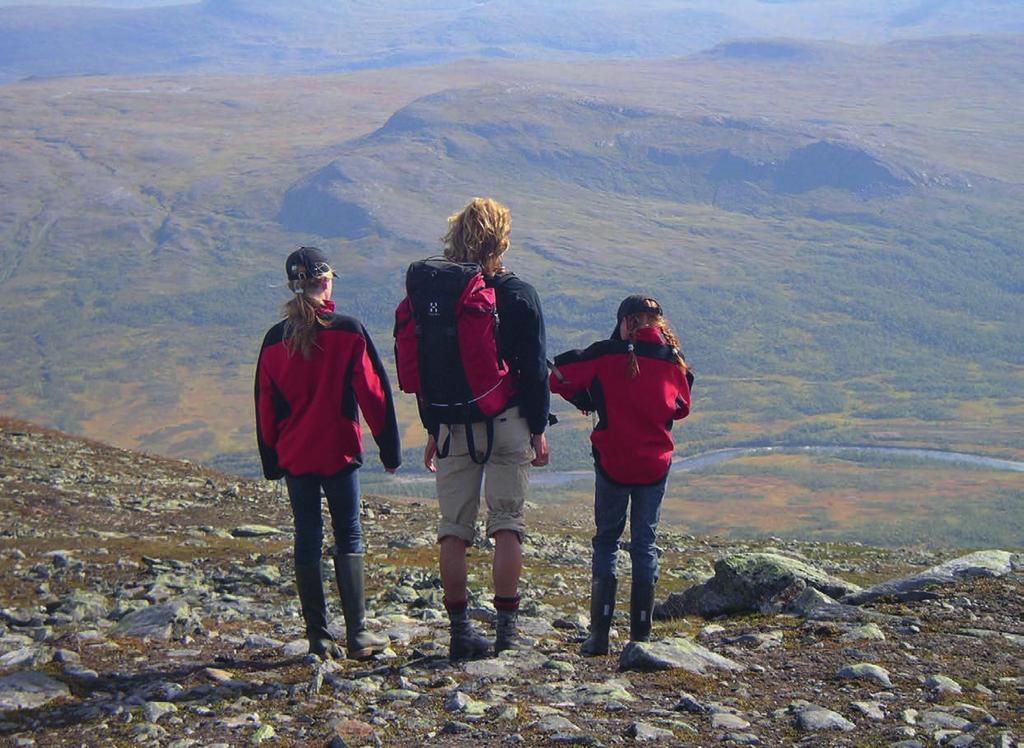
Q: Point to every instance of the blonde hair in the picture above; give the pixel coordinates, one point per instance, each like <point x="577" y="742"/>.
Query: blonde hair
<point x="301" y="319"/>
<point x="637" y="321"/>
<point x="479" y="233"/>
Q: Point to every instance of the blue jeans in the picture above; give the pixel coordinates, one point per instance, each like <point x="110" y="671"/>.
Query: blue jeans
<point x="343" y="502"/>
<point x="611" y="502"/>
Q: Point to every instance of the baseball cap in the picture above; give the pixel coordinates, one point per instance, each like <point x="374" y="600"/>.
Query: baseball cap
<point x="635" y="304"/>
<point x="308" y="262"/>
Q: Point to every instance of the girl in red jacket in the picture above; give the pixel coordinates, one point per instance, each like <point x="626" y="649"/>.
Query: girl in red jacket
<point x="314" y="369"/>
<point x="638" y="384"/>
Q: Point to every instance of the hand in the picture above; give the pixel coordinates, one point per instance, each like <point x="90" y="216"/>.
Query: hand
<point x="540" y="450"/>
<point x="429" y="452"/>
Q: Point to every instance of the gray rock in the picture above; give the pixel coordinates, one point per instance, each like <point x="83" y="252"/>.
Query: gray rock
<point x="729" y="721"/>
<point x="556" y="723"/>
<point x="673" y="654"/>
<point x="83" y="605"/>
<point x="642" y="732"/>
<point x="688" y="703"/>
<point x="992" y="563"/>
<point x="866" y="671"/>
<point x="868" y="631"/>
<point x="154" y="710"/>
<point x="254" y="531"/>
<point x="873" y="710"/>
<point x="940" y="684"/>
<point x="936" y="719"/>
<point x="166" y="621"/>
<point x="27" y="657"/>
<point x="750" y="582"/>
<point x="806" y="601"/>
<point x="28" y="689"/>
<point x="814" y="718"/>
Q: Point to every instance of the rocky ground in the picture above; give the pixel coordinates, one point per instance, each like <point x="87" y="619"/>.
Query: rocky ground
<point x="148" y="601"/>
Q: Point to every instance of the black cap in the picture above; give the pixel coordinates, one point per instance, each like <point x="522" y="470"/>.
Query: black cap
<point x="309" y="262"/>
<point x="635" y="304"/>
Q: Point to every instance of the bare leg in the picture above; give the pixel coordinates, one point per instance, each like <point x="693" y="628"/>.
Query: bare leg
<point x="508" y="563"/>
<point x="453" y="568"/>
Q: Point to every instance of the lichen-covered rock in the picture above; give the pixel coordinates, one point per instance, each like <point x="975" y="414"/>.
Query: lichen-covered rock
<point x="752" y="582"/>
<point x="992" y="563"/>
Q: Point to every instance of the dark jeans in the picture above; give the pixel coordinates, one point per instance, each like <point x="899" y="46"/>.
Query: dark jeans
<point x="611" y="503"/>
<point x="343" y="502"/>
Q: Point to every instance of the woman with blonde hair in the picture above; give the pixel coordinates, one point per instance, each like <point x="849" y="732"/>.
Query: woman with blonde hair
<point x="479" y="234"/>
<point x="315" y="367"/>
<point x="638" y="383"/>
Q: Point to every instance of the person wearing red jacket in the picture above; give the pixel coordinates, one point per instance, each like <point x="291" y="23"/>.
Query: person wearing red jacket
<point x="638" y="383"/>
<point x="315" y="368"/>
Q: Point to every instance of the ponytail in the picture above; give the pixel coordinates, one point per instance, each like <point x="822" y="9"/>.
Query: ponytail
<point x="636" y="321"/>
<point x="301" y="319"/>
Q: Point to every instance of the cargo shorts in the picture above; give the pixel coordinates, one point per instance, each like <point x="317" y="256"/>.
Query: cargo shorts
<point x="504" y="477"/>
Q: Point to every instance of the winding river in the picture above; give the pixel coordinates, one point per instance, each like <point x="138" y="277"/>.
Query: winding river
<point x="706" y="460"/>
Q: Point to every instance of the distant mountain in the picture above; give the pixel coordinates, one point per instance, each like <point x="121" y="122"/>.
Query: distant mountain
<point x="315" y="36"/>
<point x="473" y="138"/>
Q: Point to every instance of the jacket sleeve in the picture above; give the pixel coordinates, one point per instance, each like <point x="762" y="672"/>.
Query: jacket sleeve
<point x="266" y="421"/>
<point x="683" y="397"/>
<point x="527" y="347"/>
<point x="571" y="377"/>
<point x="373" y="393"/>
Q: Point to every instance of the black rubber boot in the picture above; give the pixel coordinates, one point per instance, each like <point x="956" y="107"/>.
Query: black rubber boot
<point x="361" y="644"/>
<point x="314" y="611"/>
<point x="641" y="608"/>
<point x="466" y="643"/>
<point x="602" y="607"/>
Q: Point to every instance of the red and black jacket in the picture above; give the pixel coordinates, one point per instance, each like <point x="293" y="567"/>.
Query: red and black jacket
<point x="306" y="409"/>
<point x="632" y="442"/>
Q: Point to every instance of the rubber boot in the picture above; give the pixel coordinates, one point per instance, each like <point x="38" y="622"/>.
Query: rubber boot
<point x="466" y="643"/>
<point x="602" y="607"/>
<point x="360" y="643"/>
<point x="314" y="611"/>
<point x="641" y="608"/>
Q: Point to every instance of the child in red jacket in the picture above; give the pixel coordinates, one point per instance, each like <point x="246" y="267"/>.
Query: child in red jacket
<point x="316" y="371"/>
<point x="638" y="384"/>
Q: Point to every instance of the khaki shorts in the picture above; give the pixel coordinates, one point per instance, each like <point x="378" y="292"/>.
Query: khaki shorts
<point x="507" y="475"/>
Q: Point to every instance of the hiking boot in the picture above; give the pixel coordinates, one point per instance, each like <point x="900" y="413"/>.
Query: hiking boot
<point x="467" y="643"/>
<point x="602" y="607"/>
<point x="641" y="609"/>
<point x="310" y="585"/>
<point x="360" y="643"/>
<point x="506" y="631"/>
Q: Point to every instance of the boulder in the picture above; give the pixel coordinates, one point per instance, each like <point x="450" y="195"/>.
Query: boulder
<point x="752" y="582"/>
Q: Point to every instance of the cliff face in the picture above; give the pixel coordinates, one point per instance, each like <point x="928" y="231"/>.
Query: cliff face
<point x="149" y="601"/>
